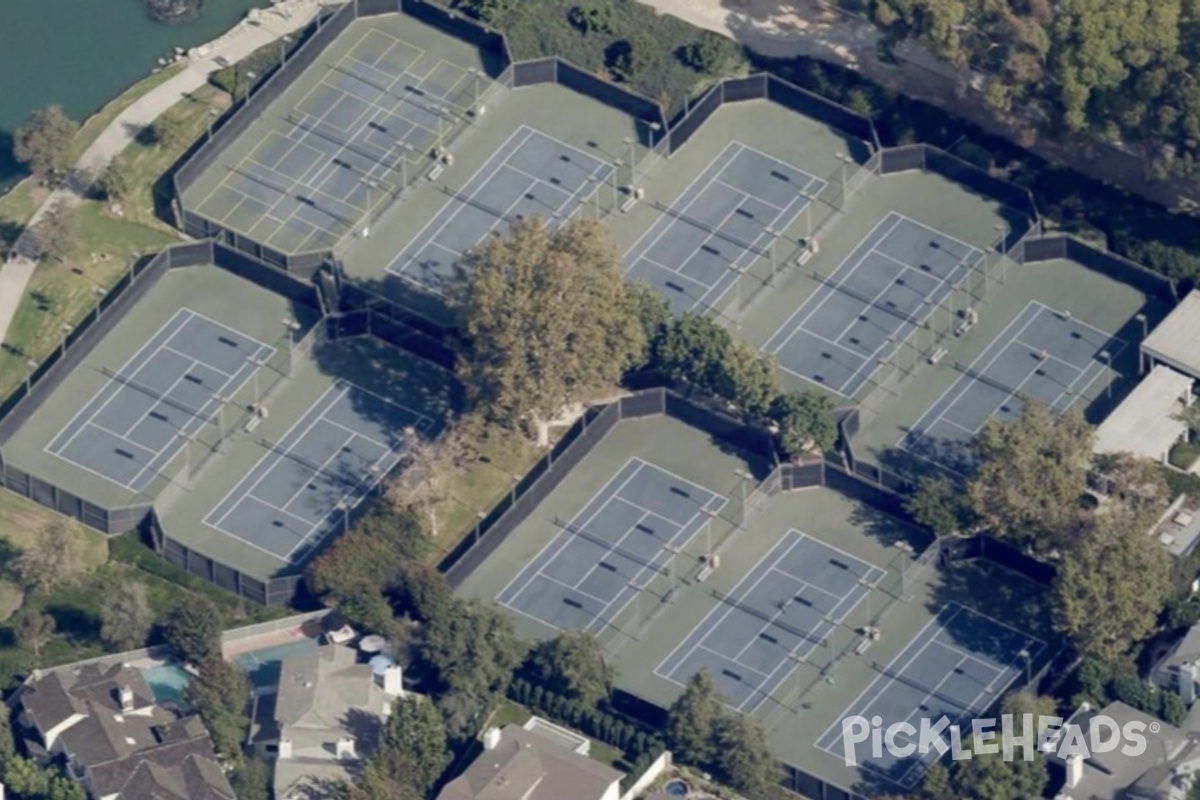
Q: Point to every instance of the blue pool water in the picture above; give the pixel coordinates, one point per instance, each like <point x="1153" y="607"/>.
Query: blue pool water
<point x="167" y="682"/>
<point x="262" y="666"/>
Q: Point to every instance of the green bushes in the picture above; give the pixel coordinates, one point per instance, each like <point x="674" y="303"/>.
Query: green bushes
<point x="1184" y="454"/>
<point x="628" y="737"/>
<point x="1101" y="684"/>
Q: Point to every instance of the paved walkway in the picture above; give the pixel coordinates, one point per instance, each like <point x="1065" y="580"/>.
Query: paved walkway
<point x="816" y="29"/>
<point x="258" y="29"/>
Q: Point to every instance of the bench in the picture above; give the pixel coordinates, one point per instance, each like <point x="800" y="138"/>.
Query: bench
<point x="703" y="574"/>
<point x="253" y="423"/>
<point x="433" y="173"/>
<point x="937" y="355"/>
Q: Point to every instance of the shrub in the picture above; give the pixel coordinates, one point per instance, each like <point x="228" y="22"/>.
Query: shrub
<point x="711" y="54"/>
<point x="593" y="16"/>
<point x="634" y="56"/>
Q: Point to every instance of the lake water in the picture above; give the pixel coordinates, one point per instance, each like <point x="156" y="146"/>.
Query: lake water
<point x="80" y="54"/>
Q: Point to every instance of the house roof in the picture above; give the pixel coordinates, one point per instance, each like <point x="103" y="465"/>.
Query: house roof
<point x="526" y="766"/>
<point x="1144" y="423"/>
<point x="151" y="754"/>
<point x="1176" y="340"/>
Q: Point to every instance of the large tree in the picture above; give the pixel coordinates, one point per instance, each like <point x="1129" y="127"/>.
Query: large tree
<point x="1032" y="475"/>
<point x="550" y="320"/>
<point x="991" y="777"/>
<point x="220" y="693"/>
<point x="693" y="719"/>
<point x="34" y="630"/>
<point x="55" y="554"/>
<point x="193" y="630"/>
<point x="806" y="422"/>
<point x="572" y="664"/>
<point x="743" y="756"/>
<point x="125" y="619"/>
<point x="43" y="143"/>
<point x="939" y="504"/>
<point x="473" y="648"/>
<point x="431" y="466"/>
<point x="413" y="749"/>
<point x="56" y="234"/>
<point x="1112" y="584"/>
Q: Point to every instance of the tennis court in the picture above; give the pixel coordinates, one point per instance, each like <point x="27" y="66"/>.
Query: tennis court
<point x="175" y="384"/>
<point x="532" y="173"/>
<point x="346" y="145"/>
<point x="784" y="608"/>
<point x="631" y="530"/>
<point x="886" y="288"/>
<point x="723" y="222"/>
<point x="308" y="482"/>
<point x="1044" y="354"/>
<point x="957" y="666"/>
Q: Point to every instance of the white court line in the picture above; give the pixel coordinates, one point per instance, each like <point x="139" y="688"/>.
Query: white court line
<point x="963" y="381"/>
<point x="359" y="434"/>
<point x="886" y="675"/>
<point x="648" y="513"/>
<point x="731" y="187"/>
<point x="110" y="382"/>
<point x="269" y="454"/>
<point x="488" y="169"/>
<point x="669" y="221"/>
<point x="733" y="661"/>
<point x="562" y="537"/>
<point x="790" y="324"/>
<point x="575" y="589"/>
<point x="527" y="615"/>
<point x="611" y="551"/>
<point x="808" y="584"/>
<point x="704" y="623"/>
<point x="775" y="615"/>
<point x="113" y="433"/>
<point x="181" y="354"/>
<point x="158" y="401"/>
<point x="320" y="468"/>
<point x="685" y="530"/>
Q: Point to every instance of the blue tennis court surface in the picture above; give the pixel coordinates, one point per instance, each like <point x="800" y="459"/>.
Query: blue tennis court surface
<point x="782" y="610"/>
<point x="323" y="466"/>
<point x="880" y="293"/>
<point x="135" y="425"/>
<point x="959" y="664"/>
<point x="532" y="173"/>
<point x="719" y="225"/>
<point x="342" y="146"/>
<point x="587" y="574"/>
<point x="1043" y="354"/>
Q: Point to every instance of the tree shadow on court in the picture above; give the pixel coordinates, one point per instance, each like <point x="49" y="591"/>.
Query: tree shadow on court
<point x="926" y="457"/>
<point x="887" y="528"/>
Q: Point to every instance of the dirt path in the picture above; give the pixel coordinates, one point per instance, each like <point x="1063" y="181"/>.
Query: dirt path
<point x="811" y="28"/>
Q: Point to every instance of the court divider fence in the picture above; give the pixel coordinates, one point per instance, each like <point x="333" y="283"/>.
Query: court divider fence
<point x="587" y="433"/>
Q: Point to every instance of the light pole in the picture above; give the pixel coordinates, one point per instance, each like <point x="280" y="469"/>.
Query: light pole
<point x="654" y="128"/>
<point x="1001" y="229"/>
<point x="737" y="294"/>
<point x="594" y="195"/>
<point x="1145" y="325"/>
<point x="629" y="140"/>
<point x="290" y="327"/>
<point x="743" y="475"/>
<point x="187" y="454"/>
<point x="30" y="367"/>
<point x="250" y="76"/>
<point x="405" y="149"/>
<point x="99" y="292"/>
<point x="474" y="89"/>
<point x="617" y="164"/>
<point x="808" y="204"/>
<point x="210" y="117"/>
<point x="255" y="363"/>
<point x="1106" y="357"/>
<point x="774" y="237"/>
<point x="66" y="330"/>
<point x="344" y="507"/>
<point x="708" y="523"/>
<point x="283" y="43"/>
<point x="479" y="518"/>
<point x="220" y="416"/>
<point x="843" y="161"/>
<point x="1027" y="657"/>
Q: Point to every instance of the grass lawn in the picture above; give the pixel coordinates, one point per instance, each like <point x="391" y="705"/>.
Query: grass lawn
<point x="63" y="294"/>
<point x="96" y="123"/>
<point x="502" y="455"/>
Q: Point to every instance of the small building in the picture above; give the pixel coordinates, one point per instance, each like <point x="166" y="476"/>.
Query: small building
<point x="326" y="716"/>
<point x="1176" y="340"/>
<point x="1163" y="772"/>
<point x="521" y="764"/>
<point x="1145" y="423"/>
<point x="104" y="725"/>
<point x="1179" y="670"/>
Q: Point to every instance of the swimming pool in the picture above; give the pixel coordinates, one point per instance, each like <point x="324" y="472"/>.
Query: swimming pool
<point x="167" y="682"/>
<point x="262" y="666"/>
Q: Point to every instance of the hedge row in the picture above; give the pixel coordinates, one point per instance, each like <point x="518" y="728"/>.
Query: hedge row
<point x="632" y="739"/>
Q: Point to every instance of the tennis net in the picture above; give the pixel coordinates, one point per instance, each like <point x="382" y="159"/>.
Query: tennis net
<point x="467" y="199"/>
<point x="610" y="546"/>
<point x="709" y="229"/>
<point x="771" y="620"/>
<point x="125" y="380"/>
<point x="315" y="129"/>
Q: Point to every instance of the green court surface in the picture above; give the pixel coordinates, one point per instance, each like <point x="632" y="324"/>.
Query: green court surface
<point x="345" y="136"/>
<point x="260" y="490"/>
<point x="518" y="145"/>
<point x="795" y="672"/>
